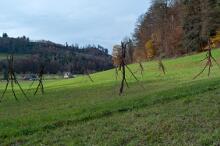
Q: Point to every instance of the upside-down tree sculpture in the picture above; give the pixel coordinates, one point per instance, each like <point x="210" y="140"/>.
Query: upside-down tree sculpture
<point x="123" y="66"/>
<point x="12" y="79"/>
<point x="209" y="60"/>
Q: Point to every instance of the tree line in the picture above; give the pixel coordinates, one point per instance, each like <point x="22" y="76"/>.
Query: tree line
<point x="57" y="58"/>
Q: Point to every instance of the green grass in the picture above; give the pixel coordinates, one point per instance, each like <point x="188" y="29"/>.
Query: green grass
<point x="171" y="110"/>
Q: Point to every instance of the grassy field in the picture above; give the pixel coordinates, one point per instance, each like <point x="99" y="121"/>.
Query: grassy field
<point x="171" y="110"/>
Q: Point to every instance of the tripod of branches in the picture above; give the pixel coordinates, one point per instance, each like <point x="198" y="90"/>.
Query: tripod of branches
<point x="11" y="79"/>
<point x="40" y="80"/>
<point x="209" y="61"/>
<point x="122" y="67"/>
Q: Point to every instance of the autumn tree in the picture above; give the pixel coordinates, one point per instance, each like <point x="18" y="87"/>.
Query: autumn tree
<point x="160" y="27"/>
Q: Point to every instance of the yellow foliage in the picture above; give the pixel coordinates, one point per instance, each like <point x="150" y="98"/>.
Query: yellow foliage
<point x="150" y="50"/>
<point x="216" y="40"/>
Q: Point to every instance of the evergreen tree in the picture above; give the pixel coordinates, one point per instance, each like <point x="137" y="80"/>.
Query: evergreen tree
<point x="201" y="21"/>
<point x="192" y="25"/>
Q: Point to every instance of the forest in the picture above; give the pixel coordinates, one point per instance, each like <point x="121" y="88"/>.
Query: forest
<point x="57" y="58"/>
<point x="172" y="28"/>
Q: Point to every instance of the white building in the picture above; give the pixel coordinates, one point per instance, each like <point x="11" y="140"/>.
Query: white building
<point x="67" y="75"/>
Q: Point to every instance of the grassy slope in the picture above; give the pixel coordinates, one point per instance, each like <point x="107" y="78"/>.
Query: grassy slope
<point x="171" y="110"/>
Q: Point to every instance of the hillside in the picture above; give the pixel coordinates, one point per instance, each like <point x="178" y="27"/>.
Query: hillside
<point x="171" y="110"/>
<point x="56" y="57"/>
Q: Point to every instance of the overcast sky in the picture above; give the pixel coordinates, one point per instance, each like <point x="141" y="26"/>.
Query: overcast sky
<point x="103" y="22"/>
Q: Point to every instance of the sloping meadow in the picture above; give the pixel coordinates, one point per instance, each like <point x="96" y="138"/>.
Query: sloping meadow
<point x="172" y="109"/>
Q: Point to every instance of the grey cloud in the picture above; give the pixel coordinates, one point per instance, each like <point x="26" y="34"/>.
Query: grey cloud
<point x="75" y="21"/>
